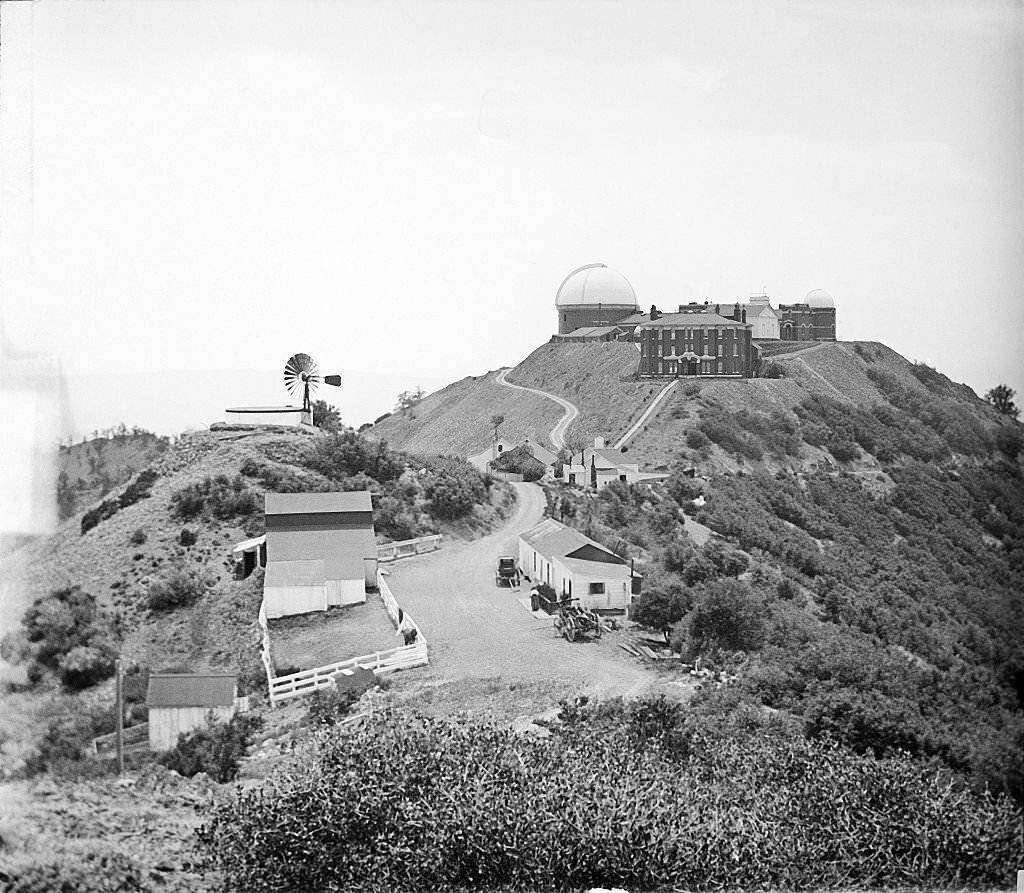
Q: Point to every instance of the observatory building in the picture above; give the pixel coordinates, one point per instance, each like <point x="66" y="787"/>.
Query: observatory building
<point x="814" y="319"/>
<point x="594" y="297"/>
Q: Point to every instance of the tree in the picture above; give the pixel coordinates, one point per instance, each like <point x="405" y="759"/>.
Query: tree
<point x="658" y="609"/>
<point x="496" y="421"/>
<point x="326" y="416"/>
<point x="1001" y="397"/>
<point x="728" y="616"/>
<point x="407" y="400"/>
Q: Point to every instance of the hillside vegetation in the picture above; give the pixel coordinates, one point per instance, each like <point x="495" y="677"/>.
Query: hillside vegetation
<point x="455" y="421"/>
<point x="147" y="574"/>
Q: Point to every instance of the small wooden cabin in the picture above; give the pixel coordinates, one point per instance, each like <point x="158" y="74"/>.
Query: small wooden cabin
<point x="181" y="702"/>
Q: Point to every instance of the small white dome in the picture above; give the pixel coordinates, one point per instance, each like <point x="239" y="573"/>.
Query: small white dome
<point x="595" y="284"/>
<point x="819" y="298"/>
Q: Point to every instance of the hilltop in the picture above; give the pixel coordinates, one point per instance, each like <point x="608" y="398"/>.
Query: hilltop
<point x="600" y="379"/>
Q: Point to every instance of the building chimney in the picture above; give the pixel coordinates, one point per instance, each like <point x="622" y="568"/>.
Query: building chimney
<point x="655" y="314"/>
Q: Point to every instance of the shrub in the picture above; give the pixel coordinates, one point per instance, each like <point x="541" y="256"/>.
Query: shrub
<point x="75" y="868"/>
<point x="775" y="370"/>
<point x="215" y="750"/>
<point x="411" y="802"/>
<point x="85" y="665"/>
<point x="697" y="439"/>
<point x="727" y="616"/>
<point x="787" y="589"/>
<point x="188" y="537"/>
<point x="327" y="706"/>
<point x="658" y="609"/>
<point x="138" y="538"/>
<point x="65" y="623"/>
<point x="1009" y="440"/>
<point x="219" y="497"/>
<point x="178" y="589"/>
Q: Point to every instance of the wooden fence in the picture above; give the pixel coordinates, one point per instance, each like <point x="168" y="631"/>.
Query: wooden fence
<point x="136" y="740"/>
<point x="405" y="548"/>
<point x="306" y="681"/>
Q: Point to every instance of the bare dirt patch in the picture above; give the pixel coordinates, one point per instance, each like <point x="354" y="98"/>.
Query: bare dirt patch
<point x="313" y="640"/>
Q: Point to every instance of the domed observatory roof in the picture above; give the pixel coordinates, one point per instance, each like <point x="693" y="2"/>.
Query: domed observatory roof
<point x="596" y="284"/>
<point x="819" y="298"/>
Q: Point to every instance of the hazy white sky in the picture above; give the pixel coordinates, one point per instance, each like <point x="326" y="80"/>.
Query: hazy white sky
<point x="398" y="188"/>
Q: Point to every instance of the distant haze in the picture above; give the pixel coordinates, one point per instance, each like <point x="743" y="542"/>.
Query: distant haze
<point x="172" y="402"/>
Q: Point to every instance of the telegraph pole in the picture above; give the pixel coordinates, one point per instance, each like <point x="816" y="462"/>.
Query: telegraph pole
<point x="119" y="725"/>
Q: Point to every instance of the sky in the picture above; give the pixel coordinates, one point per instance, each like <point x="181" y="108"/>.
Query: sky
<point x="193" y="192"/>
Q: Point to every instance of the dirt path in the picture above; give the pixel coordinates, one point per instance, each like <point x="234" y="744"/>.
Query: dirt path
<point x="645" y="415"/>
<point x="571" y="411"/>
<point x="487" y="651"/>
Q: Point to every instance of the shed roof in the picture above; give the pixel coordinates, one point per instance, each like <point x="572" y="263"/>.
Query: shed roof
<point x="191" y="690"/>
<point x="606" y="570"/>
<point x="303" y="572"/>
<point x="317" y="503"/>
<point x="554" y="540"/>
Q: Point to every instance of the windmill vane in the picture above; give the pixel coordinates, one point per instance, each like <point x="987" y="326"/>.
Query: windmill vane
<point x="300" y="372"/>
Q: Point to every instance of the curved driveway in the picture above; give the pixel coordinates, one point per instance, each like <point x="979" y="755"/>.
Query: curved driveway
<point x="558" y="432"/>
<point x="478" y="631"/>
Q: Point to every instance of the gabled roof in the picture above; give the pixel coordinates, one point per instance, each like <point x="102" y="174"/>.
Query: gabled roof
<point x="316" y="503"/>
<point x="683" y="320"/>
<point x="540" y="452"/>
<point x="191" y="690"/>
<point x="554" y="540"/>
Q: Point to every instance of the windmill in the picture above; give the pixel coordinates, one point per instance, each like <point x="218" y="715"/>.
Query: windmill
<point x="300" y="372"/>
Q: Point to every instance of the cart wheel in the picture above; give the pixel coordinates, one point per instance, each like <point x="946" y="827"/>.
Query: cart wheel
<point x="558" y="626"/>
<point x="570" y="632"/>
<point x="598" y="629"/>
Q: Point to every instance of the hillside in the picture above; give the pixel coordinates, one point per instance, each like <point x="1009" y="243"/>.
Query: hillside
<point x="91" y="469"/>
<point x="457" y="419"/>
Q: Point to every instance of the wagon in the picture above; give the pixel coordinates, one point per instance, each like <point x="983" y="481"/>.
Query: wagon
<point x="507" y="571"/>
<point x="573" y="620"/>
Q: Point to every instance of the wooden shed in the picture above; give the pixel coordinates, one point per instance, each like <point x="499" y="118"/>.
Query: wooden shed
<point x="321" y="551"/>
<point x="182" y="702"/>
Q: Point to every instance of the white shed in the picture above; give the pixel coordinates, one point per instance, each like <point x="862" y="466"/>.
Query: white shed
<point x="576" y="566"/>
<point x="182" y="702"/>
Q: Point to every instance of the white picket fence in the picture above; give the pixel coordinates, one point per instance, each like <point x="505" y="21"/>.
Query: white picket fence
<point x="294" y="685"/>
<point x="405" y="548"/>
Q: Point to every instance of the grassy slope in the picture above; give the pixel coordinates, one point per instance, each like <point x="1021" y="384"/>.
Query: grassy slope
<point x="456" y="419"/>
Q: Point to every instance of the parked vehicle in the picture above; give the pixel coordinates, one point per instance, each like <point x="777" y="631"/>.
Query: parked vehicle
<point x="573" y="620"/>
<point x="507" y="571"/>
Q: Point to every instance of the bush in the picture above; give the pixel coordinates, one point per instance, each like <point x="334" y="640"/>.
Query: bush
<point x="188" y="537"/>
<point x="138" y="538"/>
<point x="775" y="370"/>
<point x="75" y="868"/>
<point x="328" y="705"/>
<point x="66" y="633"/>
<point x="179" y="589"/>
<point x="1009" y="440"/>
<point x="219" y="497"/>
<point x="697" y="439"/>
<point x="85" y="665"/>
<point x="727" y="616"/>
<point x="411" y="802"/>
<point x="215" y="750"/>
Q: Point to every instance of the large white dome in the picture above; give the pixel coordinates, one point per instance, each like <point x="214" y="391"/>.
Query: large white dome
<point x="595" y="284"/>
<point x="819" y="298"/>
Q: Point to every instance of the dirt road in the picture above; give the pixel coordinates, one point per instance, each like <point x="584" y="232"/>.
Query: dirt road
<point x="571" y="411"/>
<point x="487" y="651"/>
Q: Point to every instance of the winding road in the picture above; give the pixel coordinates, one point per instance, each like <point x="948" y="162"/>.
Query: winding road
<point x="488" y="651"/>
<point x="571" y="411"/>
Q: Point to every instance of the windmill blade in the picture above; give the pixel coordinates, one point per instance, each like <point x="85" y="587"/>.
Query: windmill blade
<point x="297" y="371"/>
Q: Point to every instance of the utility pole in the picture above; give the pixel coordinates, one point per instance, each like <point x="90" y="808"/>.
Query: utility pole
<point x="119" y="725"/>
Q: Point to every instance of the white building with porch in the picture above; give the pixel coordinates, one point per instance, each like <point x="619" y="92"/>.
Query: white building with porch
<point x="576" y="566"/>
